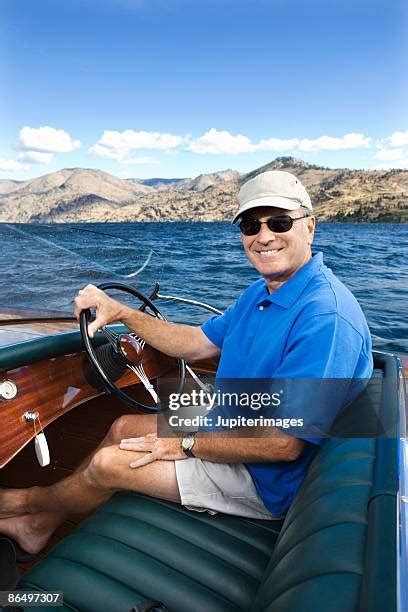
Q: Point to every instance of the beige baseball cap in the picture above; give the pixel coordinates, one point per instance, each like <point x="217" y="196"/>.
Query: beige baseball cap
<point x="273" y="188"/>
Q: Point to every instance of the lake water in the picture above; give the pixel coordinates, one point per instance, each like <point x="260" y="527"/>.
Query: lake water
<point x="202" y="261"/>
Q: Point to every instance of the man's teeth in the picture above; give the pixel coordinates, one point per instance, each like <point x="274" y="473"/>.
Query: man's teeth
<point x="269" y="253"/>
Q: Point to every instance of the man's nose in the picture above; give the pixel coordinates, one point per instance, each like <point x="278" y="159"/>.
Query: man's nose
<point x="265" y="234"/>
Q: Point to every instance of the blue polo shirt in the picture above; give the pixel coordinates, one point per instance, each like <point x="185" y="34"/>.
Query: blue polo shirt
<point x="311" y="327"/>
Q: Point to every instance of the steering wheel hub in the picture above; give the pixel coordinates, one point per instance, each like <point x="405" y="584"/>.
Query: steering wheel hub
<point x="130" y="349"/>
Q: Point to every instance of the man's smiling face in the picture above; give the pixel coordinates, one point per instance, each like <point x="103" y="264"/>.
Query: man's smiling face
<point x="278" y="256"/>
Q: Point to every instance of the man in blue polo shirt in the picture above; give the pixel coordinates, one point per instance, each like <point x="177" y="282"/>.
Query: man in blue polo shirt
<point x="296" y="323"/>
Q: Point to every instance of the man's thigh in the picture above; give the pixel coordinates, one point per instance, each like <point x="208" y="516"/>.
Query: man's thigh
<point x="110" y="469"/>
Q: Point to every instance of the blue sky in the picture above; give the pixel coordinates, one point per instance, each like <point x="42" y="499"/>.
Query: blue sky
<point x="173" y="88"/>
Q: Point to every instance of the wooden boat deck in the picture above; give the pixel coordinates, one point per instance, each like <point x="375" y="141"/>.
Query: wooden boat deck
<point x="14" y="328"/>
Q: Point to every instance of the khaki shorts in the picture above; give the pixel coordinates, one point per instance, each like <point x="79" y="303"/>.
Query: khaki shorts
<point x="219" y="487"/>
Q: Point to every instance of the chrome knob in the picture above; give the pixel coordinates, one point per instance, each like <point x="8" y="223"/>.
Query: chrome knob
<point x="8" y="389"/>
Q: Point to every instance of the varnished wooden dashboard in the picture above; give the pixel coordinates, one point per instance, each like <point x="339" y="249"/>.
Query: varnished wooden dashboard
<point x="52" y="387"/>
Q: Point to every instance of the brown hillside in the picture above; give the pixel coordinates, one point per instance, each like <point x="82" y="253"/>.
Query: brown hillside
<point x="76" y="195"/>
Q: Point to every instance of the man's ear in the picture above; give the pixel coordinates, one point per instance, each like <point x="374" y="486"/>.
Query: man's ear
<point x="311" y="225"/>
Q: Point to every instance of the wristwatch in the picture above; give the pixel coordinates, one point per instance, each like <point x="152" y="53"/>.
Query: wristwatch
<point x="187" y="444"/>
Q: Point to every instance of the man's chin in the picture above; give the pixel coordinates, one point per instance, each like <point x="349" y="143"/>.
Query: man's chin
<point x="270" y="270"/>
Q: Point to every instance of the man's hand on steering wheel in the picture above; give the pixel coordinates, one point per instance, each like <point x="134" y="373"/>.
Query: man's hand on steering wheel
<point x="126" y="347"/>
<point x="107" y="310"/>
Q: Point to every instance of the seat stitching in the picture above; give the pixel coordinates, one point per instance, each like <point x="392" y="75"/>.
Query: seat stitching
<point x="159" y="561"/>
<point x="233" y="532"/>
<point x="199" y="548"/>
<point x="309" y="535"/>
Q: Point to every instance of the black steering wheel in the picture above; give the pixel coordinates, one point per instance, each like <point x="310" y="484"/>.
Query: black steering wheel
<point x="127" y="352"/>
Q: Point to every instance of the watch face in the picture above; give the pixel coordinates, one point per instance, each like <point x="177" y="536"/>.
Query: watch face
<point x="187" y="443"/>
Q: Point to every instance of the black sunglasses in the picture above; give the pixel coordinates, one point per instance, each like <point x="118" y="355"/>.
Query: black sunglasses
<point x="279" y="225"/>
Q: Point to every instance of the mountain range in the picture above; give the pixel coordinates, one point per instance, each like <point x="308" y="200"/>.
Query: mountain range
<point x="84" y="195"/>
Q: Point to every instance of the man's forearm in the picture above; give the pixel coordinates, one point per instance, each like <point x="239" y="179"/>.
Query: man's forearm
<point x="173" y="339"/>
<point x="176" y="340"/>
<point x="230" y="447"/>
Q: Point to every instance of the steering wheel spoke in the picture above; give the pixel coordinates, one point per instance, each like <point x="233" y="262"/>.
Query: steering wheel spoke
<point x="139" y="339"/>
<point x="141" y="374"/>
<point x="128" y="348"/>
<point x="111" y="336"/>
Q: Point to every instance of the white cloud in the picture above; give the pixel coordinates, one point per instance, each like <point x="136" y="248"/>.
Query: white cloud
<point x="348" y="141"/>
<point x="221" y="142"/>
<point x="119" y="145"/>
<point x="10" y="165"/>
<point x="390" y="154"/>
<point x="46" y="139"/>
<point x="130" y="139"/>
<point x="398" y="139"/>
<point x="106" y="152"/>
<point x="277" y="144"/>
<point x="35" y="157"/>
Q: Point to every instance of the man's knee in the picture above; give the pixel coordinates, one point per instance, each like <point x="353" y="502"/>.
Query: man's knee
<point x="118" y="428"/>
<point x="131" y="426"/>
<point x="102" y="467"/>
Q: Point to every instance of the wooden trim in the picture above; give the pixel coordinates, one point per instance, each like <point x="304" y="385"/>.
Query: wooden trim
<point x="53" y="387"/>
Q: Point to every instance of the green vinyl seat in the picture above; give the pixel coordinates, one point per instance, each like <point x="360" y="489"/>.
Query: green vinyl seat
<point x="137" y="548"/>
<point x="335" y="551"/>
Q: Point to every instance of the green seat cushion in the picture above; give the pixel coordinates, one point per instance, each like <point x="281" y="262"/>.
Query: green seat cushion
<point x="137" y="548"/>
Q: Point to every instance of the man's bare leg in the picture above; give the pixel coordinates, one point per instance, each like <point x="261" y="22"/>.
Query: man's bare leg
<point x="32" y="530"/>
<point x="126" y="426"/>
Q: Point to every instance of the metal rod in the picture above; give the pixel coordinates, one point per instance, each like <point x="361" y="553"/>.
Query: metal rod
<point x="175" y="298"/>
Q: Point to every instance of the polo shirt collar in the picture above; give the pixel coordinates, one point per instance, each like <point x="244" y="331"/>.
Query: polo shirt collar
<point x="290" y="291"/>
